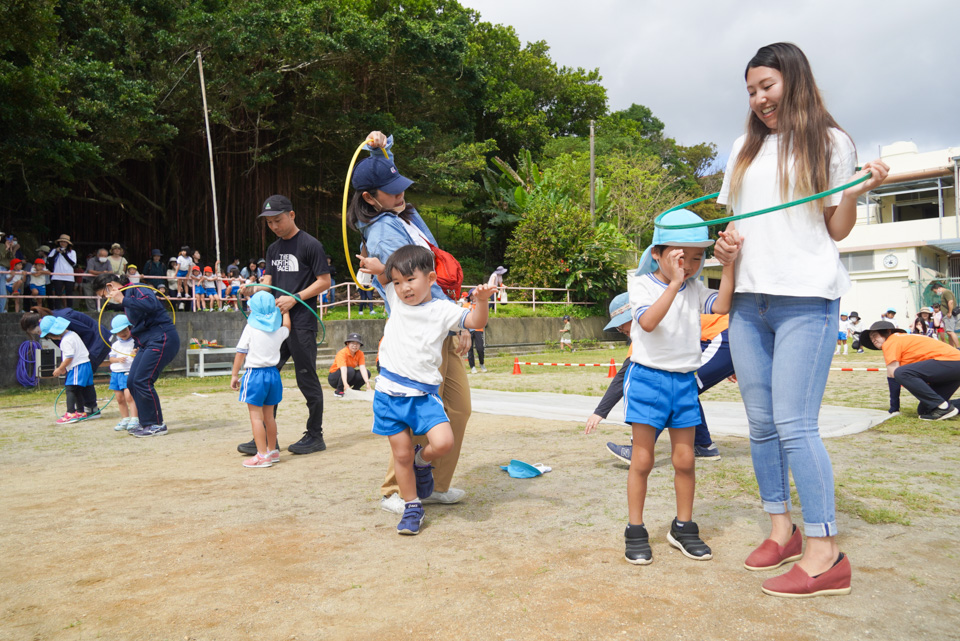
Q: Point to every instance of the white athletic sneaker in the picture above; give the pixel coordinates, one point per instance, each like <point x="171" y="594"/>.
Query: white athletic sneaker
<point x="453" y="495"/>
<point x="473" y="370"/>
<point x="392" y="503"/>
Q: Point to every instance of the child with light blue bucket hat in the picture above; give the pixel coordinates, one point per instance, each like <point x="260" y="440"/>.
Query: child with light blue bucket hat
<point x="261" y="388"/>
<point x="122" y="352"/>
<point x="660" y="387"/>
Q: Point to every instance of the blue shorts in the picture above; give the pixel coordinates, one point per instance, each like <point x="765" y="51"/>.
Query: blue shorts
<point x="841" y="336"/>
<point x="233" y="291"/>
<point x="393" y="414"/>
<point x="209" y="291"/>
<point x="181" y="273"/>
<point x="118" y="381"/>
<point x="9" y="289"/>
<point x="41" y="289"/>
<point x="660" y="399"/>
<point x="261" y="386"/>
<point x="81" y="375"/>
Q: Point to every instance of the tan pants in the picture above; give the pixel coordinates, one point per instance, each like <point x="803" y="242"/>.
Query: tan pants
<point x="455" y="392"/>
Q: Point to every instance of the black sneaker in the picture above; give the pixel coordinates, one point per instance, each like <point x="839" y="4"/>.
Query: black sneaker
<point x="638" y="545"/>
<point x="687" y="540"/>
<point x="938" y="414"/>
<point x="250" y="447"/>
<point x="706" y="453"/>
<point x="308" y="445"/>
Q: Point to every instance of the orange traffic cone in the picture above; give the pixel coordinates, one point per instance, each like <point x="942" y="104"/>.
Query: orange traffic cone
<point x="613" y="369"/>
<point x="516" y="365"/>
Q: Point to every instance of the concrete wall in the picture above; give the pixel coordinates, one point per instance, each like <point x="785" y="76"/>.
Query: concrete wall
<point x="225" y="329"/>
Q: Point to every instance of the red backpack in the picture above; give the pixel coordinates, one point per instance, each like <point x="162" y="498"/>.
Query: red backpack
<point x="449" y="272"/>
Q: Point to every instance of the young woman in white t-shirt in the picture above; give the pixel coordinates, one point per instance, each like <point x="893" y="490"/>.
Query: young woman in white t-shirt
<point x="783" y="323"/>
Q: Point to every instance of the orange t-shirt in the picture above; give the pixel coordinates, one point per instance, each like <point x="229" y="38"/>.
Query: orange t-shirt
<point x="346" y="359"/>
<point x="712" y="324"/>
<point x="911" y="348"/>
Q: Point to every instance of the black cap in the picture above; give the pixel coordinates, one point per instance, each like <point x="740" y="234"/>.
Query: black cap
<point x="353" y="338"/>
<point x="276" y="204"/>
<point x="866" y="337"/>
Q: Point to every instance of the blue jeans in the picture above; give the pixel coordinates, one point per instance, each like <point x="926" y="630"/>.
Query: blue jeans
<point x="782" y="347"/>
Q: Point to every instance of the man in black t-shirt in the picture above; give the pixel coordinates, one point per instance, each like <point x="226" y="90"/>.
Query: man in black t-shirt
<point x="297" y="263"/>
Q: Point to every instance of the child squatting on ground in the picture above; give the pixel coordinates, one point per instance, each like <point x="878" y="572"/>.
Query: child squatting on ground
<point x="260" y="387"/>
<point x="660" y="388"/>
<point x="81" y="395"/>
<point x="122" y="353"/>
<point x="407" y="390"/>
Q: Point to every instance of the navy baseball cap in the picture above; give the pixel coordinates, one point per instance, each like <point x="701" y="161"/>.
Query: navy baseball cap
<point x="274" y="205"/>
<point x="379" y="172"/>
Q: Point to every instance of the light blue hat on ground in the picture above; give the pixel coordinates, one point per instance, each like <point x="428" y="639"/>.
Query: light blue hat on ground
<point x="522" y="470"/>
<point x="119" y="323"/>
<point x="695" y="237"/>
<point x="619" y="312"/>
<point x="264" y="314"/>
<point x="53" y="325"/>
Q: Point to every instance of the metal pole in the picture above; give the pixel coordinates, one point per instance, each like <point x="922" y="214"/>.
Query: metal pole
<point x="213" y="180"/>
<point x="593" y="195"/>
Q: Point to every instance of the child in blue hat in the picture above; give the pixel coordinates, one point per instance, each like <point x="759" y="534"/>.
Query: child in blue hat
<point x="121" y="357"/>
<point x="260" y="388"/>
<point x="660" y="387"/>
<point x="75" y="364"/>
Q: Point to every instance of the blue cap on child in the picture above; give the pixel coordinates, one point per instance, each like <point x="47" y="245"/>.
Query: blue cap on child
<point x="53" y="325"/>
<point x="695" y="237"/>
<point x="264" y="314"/>
<point x="119" y="323"/>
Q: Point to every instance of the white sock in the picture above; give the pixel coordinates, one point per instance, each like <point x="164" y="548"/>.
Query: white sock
<point x="844" y="349"/>
<point x="418" y="460"/>
<point x="944" y="405"/>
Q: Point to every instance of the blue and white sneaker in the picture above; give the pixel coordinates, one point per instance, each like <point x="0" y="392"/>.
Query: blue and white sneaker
<point x="622" y="452"/>
<point x="424" y="476"/>
<point x="133" y="425"/>
<point x="708" y="453"/>
<point x="412" y="519"/>
<point x="122" y="425"/>
<point x="152" y="430"/>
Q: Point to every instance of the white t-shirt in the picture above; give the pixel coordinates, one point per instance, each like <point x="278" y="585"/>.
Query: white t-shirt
<point x="72" y="347"/>
<point x="415" y="234"/>
<point x="122" y="349"/>
<point x="172" y="280"/>
<point x="37" y="279"/>
<point x="411" y="350"/>
<point x="674" y="344"/>
<point x="184" y="263"/>
<point x="134" y="278"/>
<point x="788" y="252"/>
<point x="262" y="348"/>
<point x="61" y="266"/>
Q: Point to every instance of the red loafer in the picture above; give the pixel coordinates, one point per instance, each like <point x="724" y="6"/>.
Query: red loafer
<point x="771" y="555"/>
<point x="798" y="584"/>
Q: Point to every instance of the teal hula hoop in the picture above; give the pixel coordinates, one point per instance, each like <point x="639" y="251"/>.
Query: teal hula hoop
<point x="298" y="299"/>
<point x="64" y="389"/>
<point x="730" y="219"/>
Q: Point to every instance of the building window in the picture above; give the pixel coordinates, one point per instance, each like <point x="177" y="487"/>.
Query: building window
<point x="858" y="261"/>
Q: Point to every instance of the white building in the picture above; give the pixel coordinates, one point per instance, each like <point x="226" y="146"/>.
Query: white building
<point x="907" y="235"/>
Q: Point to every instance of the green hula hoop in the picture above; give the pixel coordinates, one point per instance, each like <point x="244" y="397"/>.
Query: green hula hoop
<point x="730" y="219"/>
<point x="298" y="299"/>
<point x="64" y="389"/>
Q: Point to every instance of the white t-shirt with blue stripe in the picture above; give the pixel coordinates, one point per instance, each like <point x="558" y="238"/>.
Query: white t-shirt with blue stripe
<point x="411" y="350"/>
<point x="674" y="344"/>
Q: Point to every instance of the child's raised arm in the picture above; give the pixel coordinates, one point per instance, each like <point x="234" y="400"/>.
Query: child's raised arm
<point x="372" y="265"/>
<point x="477" y="317"/>
<point x="731" y="242"/>
<point x="286" y="320"/>
<point x="669" y="262"/>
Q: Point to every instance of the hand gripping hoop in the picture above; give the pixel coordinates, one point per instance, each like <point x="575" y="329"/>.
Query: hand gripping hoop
<point x="295" y="297"/>
<point x="346" y="191"/>
<point x="730" y="219"/>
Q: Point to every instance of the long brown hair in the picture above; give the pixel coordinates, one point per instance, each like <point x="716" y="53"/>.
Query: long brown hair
<point x="803" y="123"/>
<point x="360" y="211"/>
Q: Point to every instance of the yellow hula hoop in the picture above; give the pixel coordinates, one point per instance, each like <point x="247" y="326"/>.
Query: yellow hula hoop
<point x="346" y="192"/>
<point x="104" y="308"/>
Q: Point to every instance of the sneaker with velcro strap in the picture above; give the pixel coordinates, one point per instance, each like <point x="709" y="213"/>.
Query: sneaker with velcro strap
<point x="424" y="474"/>
<point x="637" y="543"/>
<point x="412" y="519"/>
<point x="687" y="540"/>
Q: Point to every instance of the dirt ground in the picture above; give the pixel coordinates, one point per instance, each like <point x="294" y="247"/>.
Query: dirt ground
<point x="111" y="537"/>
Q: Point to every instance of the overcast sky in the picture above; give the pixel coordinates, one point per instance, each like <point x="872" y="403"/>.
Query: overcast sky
<point x="888" y="74"/>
